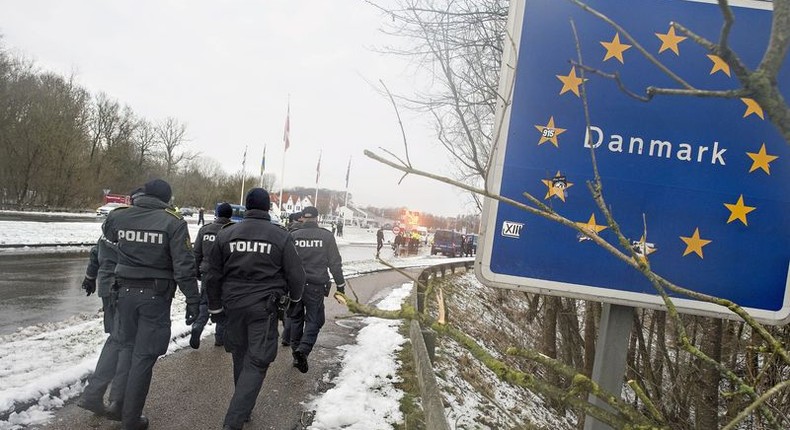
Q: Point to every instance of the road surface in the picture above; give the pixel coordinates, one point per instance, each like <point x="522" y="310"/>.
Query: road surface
<point x="191" y="388"/>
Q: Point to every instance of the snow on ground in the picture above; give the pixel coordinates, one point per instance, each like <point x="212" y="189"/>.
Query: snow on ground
<point x="30" y="391"/>
<point x="475" y="397"/>
<point x="364" y="396"/>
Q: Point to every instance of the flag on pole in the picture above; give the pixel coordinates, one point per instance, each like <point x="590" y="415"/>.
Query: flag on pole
<point x="348" y="171"/>
<point x="318" y="168"/>
<point x="287" y="131"/>
<point x="244" y="158"/>
<point x="263" y="160"/>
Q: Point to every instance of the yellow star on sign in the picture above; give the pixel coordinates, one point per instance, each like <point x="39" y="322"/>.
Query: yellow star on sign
<point x="761" y="160"/>
<point x="670" y="41"/>
<point x="738" y="211"/>
<point x="719" y="64"/>
<point x="556" y="186"/>
<point x="752" y="108"/>
<point x="570" y="82"/>
<point x="549" y="133"/>
<point x="694" y="243"/>
<point x="615" y="49"/>
<point x="642" y="248"/>
<point x="591" y="226"/>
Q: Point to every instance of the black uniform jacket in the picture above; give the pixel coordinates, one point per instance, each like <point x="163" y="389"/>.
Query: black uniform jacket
<point x="101" y="267"/>
<point x="251" y="260"/>
<point x="205" y="241"/>
<point x="153" y="243"/>
<point x="318" y="250"/>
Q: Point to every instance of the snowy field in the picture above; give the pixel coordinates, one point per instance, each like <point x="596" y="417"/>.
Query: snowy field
<point x="31" y="391"/>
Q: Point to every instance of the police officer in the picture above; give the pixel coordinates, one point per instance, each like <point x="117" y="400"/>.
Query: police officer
<point x="319" y="252"/>
<point x="294" y="223"/>
<point x="252" y="265"/>
<point x="154" y="254"/>
<point x="112" y="365"/>
<point x="203" y="244"/>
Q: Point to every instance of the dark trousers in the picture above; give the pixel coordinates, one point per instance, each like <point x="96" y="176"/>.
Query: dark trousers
<point x="202" y="319"/>
<point x="113" y="365"/>
<point x="251" y="337"/>
<point x="379" y="245"/>
<point x="307" y="322"/>
<point x="144" y="332"/>
<point x="287" y="323"/>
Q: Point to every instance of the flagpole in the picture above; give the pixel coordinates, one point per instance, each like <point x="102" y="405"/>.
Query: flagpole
<point x="282" y="182"/>
<point x="287" y="140"/>
<point x="263" y="165"/>
<point x="317" y="176"/>
<point x="348" y="171"/>
<point x="243" y="175"/>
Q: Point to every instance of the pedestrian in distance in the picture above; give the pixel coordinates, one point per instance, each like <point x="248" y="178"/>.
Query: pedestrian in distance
<point x="340" y="223"/>
<point x="253" y="267"/>
<point x="113" y="365"/>
<point x="201" y="219"/>
<point x="319" y="253"/>
<point x="154" y="256"/>
<point x="379" y="240"/>
<point x="203" y="243"/>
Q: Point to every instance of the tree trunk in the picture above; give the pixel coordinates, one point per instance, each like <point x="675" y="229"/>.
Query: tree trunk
<point x="707" y="400"/>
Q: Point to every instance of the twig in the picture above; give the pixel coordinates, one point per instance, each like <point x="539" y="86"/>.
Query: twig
<point x="613" y="76"/>
<point x="636" y="44"/>
<point x="400" y="123"/>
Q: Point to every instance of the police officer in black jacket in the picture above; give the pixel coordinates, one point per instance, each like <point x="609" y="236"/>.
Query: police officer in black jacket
<point x="112" y="365"/>
<point x="203" y="244"/>
<point x="252" y="265"/>
<point x="154" y="254"/>
<point x="319" y="252"/>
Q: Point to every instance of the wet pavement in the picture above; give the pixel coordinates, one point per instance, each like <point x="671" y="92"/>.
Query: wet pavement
<point x="41" y="288"/>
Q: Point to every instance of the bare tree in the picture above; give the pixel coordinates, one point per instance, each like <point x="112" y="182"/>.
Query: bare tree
<point x="459" y="46"/>
<point x="145" y="141"/>
<point x="172" y="138"/>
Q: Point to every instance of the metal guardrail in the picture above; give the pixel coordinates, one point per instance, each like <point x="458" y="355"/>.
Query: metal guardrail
<point x="423" y="344"/>
<point x="43" y="245"/>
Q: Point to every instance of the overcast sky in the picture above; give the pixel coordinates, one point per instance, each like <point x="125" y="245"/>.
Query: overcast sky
<point x="227" y="70"/>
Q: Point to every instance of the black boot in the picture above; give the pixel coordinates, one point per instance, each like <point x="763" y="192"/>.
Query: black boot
<point x="94" y="405"/>
<point x="140" y="424"/>
<point x="300" y="361"/>
<point x="194" y="339"/>
<point x="114" y="410"/>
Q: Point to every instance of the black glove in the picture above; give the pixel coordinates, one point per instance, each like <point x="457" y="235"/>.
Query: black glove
<point x="218" y="318"/>
<point x="294" y="310"/>
<point x="282" y="305"/>
<point x="341" y="288"/>
<point x="193" y="309"/>
<point x="89" y="285"/>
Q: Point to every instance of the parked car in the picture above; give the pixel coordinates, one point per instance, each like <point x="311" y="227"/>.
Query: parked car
<point x="447" y="242"/>
<point x="106" y="209"/>
<point x="188" y="211"/>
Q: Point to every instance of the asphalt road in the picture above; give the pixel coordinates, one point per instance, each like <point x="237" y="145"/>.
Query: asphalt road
<point x="191" y="388"/>
<point x="39" y="288"/>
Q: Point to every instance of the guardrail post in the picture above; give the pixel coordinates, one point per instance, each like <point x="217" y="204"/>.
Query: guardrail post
<point x="429" y="336"/>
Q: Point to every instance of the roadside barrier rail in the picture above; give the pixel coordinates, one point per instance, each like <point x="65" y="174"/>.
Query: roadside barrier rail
<point x="424" y="343"/>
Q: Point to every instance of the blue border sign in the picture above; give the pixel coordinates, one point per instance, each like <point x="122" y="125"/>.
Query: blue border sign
<point x="706" y="178"/>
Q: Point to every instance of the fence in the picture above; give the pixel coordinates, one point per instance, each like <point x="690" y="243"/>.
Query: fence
<point x="423" y="343"/>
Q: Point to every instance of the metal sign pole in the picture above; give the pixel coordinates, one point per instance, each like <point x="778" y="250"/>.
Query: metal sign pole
<point x="610" y="354"/>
